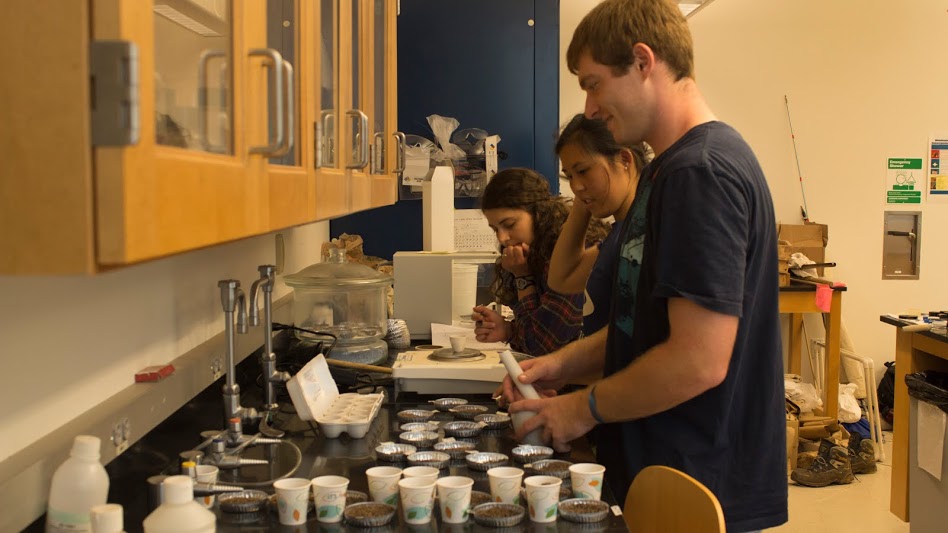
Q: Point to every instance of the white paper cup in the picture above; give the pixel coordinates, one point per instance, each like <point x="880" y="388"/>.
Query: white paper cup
<point x="329" y="493"/>
<point x="429" y="473"/>
<point x="457" y="342"/>
<point x="292" y="499"/>
<point x="206" y="474"/>
<point x="454" y="497"/>
<point x="417" y="497"/>
<point x="587" y="480"/>
<point x="383" y="484"/>
<point x="543" y="494"/>
<point x="505" y="484"/>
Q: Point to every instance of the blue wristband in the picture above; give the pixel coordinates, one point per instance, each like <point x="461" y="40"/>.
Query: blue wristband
<point x="592" y="405"/>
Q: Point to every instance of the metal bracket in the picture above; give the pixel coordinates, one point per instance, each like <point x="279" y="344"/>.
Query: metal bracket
<point x="113" y="70"/>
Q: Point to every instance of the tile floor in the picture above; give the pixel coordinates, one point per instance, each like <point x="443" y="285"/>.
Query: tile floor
<point x="860" y="507"/>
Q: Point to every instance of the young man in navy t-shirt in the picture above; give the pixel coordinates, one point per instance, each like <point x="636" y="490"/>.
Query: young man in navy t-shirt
<point x="698" y="383"/>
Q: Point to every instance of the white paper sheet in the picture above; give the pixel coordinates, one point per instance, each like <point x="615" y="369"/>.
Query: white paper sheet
<point x="930" y="438"/>
<point x="441" y="336"/>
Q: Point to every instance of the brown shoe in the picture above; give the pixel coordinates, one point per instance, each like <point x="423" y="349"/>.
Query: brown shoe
<point x="832" y="465"/>
<point x="862" y="454"/>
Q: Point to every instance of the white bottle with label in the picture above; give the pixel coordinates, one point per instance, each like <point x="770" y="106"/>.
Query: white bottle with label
<point x="79" y="484"/>
<point x="178" y="512"/>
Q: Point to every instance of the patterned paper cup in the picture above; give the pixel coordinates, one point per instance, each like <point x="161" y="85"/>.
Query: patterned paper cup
<point x="329" y="493"/>
<point x="417" y="497"/>
<point x="383" y="484"/>
<point x="543" y="495"/>
<point x="206" y="474"/>
<point x="454" y="495"/>
<point x="292" y="500"/>
<point x="505" y="484"/>
<point x="587" y="480"/>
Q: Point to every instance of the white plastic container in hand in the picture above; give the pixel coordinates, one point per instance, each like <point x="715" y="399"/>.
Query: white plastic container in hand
<point x="535" y="437"/>
<point x="79" y="484"/>
<point x="178" y="512"/>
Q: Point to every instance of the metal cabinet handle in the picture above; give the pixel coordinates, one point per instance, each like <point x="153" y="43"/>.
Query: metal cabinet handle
<point x="326" y="139"/>
<point x="205" y="58"/>
<point x="362" y="137"/>
<point x="909" y="234"/>
<point x="289" y="113"/>
<point x="276" y="84"/>
<point x="378" y="153"/>
<point x="400" y="153"/>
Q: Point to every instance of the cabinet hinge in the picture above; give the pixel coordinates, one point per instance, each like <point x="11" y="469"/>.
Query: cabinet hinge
<point x="113" y="73"/>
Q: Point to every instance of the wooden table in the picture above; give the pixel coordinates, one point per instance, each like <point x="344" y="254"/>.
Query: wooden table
<point x="796" y="300"/>
<point x="914" y="352"/>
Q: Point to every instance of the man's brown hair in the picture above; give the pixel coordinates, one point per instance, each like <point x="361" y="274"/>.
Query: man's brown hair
<point x="609" y="31"/>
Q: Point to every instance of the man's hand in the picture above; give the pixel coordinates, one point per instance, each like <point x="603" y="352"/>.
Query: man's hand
<point x="543" y="372"/>
<point x="562" y="418"/>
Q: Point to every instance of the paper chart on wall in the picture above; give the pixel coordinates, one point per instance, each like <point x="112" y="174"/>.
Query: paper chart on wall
<point x="937" y="183"/>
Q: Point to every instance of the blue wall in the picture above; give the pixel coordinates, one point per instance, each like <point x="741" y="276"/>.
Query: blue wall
<point x="483" y="64"/>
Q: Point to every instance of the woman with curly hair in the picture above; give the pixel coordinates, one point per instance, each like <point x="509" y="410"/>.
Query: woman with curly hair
<point x="527" y="221"/>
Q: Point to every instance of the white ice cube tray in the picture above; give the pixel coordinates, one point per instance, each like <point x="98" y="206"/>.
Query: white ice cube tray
<point x="316" y="397"/>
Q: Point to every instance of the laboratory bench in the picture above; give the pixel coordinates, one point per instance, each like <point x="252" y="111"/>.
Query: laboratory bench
<point x="914" y="352"/>
<point x="158" y="453"/>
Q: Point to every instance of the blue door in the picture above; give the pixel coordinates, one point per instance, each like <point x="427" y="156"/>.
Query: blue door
<point x="491" y="64"/>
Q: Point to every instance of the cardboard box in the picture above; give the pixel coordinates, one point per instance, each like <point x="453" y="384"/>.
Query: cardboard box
<point x="808" y="239"/>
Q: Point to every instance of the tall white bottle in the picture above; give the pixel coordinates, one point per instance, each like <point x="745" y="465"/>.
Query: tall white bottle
<point x="178" y="512"/>
<point x="79" y="484"/>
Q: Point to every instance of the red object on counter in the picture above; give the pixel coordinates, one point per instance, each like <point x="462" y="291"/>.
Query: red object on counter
<point x="153" y="373"/>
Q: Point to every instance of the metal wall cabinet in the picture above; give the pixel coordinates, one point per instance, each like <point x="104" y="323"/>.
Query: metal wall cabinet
<point x="142" y="129"/>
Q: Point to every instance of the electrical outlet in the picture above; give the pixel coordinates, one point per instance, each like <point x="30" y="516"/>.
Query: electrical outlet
<point x="121" y="431"/>
<point x="217" y="368"/>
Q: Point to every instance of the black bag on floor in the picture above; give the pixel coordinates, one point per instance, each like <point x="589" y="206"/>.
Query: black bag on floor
<point x="885" y="393"/>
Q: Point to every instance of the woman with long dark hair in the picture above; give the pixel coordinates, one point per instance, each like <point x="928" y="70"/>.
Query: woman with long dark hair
<point x="527" y="219"/>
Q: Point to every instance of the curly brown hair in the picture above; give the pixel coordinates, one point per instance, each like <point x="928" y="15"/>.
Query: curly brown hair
<point x="522" y="188"/>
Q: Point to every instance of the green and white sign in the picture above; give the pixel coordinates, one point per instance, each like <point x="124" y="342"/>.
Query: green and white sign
<point x="904" y="181"/>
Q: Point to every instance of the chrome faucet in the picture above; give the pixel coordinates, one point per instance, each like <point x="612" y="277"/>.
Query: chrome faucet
<point x="267" y="359"/>
<point x="233" y="297"/>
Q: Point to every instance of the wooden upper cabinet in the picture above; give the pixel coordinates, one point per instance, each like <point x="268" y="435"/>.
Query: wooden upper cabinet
<point x="365" y="104"/>
<point x="145" y="128"/>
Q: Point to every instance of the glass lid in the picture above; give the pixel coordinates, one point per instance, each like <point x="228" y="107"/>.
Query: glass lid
<point x="337" y="272"/>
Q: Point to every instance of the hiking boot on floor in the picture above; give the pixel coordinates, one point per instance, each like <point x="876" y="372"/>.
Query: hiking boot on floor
<point x="862" y="454"/>
<point x="831" y="465"/>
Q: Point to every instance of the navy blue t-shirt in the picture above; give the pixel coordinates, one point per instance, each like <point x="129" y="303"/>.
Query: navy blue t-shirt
<point x="599" y="284"/>
<point x="710" y="238"/>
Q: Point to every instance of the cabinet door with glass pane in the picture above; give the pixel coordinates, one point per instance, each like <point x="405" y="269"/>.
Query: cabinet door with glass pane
<point x="381" y="90"/>
<point x="197" y="174"/>
<point x="291" y="185"/>
<point x="325" y="100"/>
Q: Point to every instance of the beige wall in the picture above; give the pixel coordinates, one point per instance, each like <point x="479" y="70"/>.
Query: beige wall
<point x="864" y="84"/>
<point x="69" y="343"/>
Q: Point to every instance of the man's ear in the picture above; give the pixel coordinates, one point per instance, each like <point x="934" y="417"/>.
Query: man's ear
<point x="643" y="58"/>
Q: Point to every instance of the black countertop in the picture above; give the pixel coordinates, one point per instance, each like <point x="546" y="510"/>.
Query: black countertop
<point x="942" y="337"/>
<point x="157" y="452"/>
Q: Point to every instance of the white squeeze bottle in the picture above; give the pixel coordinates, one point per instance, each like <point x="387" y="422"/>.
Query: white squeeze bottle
<point x="79" y="484"/>
<point x="178" y="512"/>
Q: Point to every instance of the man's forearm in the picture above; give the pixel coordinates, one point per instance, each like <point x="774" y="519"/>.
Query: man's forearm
<point x="655" y="382"/>
<point x="582" y="361"/>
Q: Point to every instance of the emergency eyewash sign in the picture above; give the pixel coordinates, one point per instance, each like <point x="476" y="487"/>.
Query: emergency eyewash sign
<point x="904" y="180"/>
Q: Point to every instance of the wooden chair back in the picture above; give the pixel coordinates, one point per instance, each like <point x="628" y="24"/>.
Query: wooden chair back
<point x="665" y="500"/>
